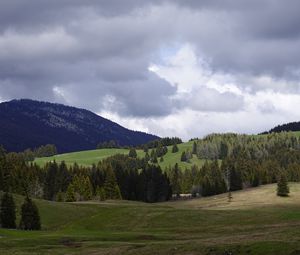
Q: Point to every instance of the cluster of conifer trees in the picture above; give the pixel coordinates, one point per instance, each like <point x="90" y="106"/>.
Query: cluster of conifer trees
<point x="234" y="162"/>
<point x="30" y="219"/>
<point x="117" y="177"/>
<point x="42" y="151"/>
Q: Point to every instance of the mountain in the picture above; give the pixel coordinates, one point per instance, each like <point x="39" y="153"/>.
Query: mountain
<point x="29" y="124"/>
<point x="292" y="126"/>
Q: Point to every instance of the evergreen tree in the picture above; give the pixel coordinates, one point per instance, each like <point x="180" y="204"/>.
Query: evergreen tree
<point x="87" y="189"/>
<point x="146" y="149"/>
<point x="175" y="148"/>
<point x="154" y="158"/>
<point x="194" y="148"/>
<point x="282" y="186"/>
<point x="161" y="159"/>
<point x="50" y="181"/>
<point x="147" y="157"/>
<point x="111" y="188"/>
<point x="183" y="157"/>
<point x="5" y="171"/>
<point x="175" y="179"/>
<point x="236" y="182"/>
<point x="30" y="218"/>
<point x="100" y="193"/>
<point x="223" y="150"/>
<point x="60" y="197"/>
<point x="132" y="153"/>
<point x="70" y="194"/>
<point x="8" y="211"/>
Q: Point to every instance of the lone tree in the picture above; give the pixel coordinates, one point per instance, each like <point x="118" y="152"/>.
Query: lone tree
<point x="132" y="153"/>
<point x="175" y="148"/>
<point x="30" y="218"/>
<point x="194" y="148"/>
<point x="8" y="211"/>
<point x="282" y="186"/>
<point x="183" y="156"/>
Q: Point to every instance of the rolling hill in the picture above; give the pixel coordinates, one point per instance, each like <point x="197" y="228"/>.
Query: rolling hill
<point x="29" y="124"/>
<point x="255" y="222"/>
<point x="87" y="158"/>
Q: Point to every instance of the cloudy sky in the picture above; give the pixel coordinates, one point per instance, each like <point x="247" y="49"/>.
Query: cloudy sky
<point x="173" y="68"/>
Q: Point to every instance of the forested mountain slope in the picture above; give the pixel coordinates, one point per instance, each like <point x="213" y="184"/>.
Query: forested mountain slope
<point x="29" y="124"/>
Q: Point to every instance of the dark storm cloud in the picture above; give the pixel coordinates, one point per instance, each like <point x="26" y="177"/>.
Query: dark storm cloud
<point x="253" y="37"/>
<point x="96" y="54"/>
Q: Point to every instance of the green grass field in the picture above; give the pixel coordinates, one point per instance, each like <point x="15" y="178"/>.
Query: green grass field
<point x="87" y="158"/>
<point x="255" y="222"/>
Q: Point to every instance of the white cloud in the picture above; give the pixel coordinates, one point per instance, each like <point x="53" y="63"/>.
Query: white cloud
<point x="211" y="101"/>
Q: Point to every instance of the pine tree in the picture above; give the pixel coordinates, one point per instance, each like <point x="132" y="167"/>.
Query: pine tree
<point x="70" y="194"/>
<point x="147" y="157"/>
<point x="30" y="218"/>
<point x="175" y="148"/>
<point x="282" y="186"/>
<point x="100" y="193"/>
<point x="5" y="171"/>
<point x="194" y="148"/>
<point x="50" y="181"/>
<point x="111" y="188"/>
<point x="175" y="179"/>
<point x="60" y="197"/>
<point x="154" y="158"/>
<point x="183" y="157"/>
<point x="132" y="153"/>
<point x="87" y="189"/>
<point x="8" y="211"/>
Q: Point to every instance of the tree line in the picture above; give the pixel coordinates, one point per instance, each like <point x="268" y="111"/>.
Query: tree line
<point x="47" y="150"/>
<point x="117" y="177"/>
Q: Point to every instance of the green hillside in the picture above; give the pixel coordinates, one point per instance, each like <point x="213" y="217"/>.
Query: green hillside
<point x="87" y="158"/>
<point x="255" y="222"/>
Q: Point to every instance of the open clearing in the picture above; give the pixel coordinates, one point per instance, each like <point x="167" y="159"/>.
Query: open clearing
<point x="255" y="222"/>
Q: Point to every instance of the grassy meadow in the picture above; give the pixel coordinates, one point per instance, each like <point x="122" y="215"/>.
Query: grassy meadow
<point x="255" y="222"/>
<point x="87" y="158"/>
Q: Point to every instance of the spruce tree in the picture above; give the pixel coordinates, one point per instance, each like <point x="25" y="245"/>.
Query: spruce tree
<point x="154" y="159"/>
<point x="8" y="211"/>
<point x="194" y="148"/>
<point x="132" y="153"/>
<point x="60" y="197"/>
<point x="282" y="186"/>
<point x="70" y="194"/>
<point x="111" y="188"/>
<point x="87" y="189"/>
<point x="175" y="179"/>
<point x="30" y="218"/>
<point x="175" y="148"/>
<point x="183" y="157"/>
<point x="100" y="193"/>
<point x="147" y="157"/>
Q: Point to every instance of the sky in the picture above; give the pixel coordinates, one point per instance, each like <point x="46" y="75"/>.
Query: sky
<point x="171" y="68"/>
